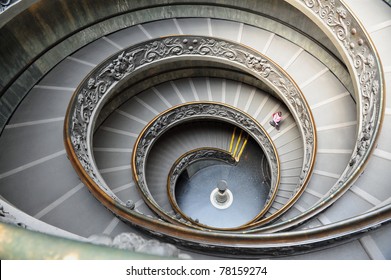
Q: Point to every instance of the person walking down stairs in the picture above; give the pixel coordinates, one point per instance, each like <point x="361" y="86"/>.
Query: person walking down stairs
<point x="276" y="119"/>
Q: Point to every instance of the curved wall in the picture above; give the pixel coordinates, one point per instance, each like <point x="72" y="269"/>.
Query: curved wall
<point x="46" y="32"/>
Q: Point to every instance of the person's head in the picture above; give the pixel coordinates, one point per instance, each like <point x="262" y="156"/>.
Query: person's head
<point x="280" y="114"/>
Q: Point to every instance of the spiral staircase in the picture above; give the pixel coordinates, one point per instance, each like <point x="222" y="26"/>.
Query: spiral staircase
<point x="125" y="117"/>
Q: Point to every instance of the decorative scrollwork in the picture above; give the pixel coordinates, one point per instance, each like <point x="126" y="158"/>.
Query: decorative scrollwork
<point x="364" y="63"/>
<point x="5" y="4"/>
<point x="91" y="93"/>
<point x="184" y="162"/>
<point x="96" y="89"/>
<point x="191" y="111"/>
<point x="351" y="35"/>
<point x="193" y="156"/>
<point x="367" y="73"/>
<point x="366" y="70"/>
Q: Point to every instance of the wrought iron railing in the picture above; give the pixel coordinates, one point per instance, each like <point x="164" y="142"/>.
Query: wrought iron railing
<point x="99" y="86"/>
<point x="360" y="56"/>
<point x="5" y="4"/>
<point x="196" y="111"/>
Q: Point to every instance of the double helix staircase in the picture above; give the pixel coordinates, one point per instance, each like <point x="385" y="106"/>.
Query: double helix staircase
<point x="39" y="185"/>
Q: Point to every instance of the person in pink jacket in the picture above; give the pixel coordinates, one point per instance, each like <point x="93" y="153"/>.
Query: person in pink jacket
<point x="277" y="117"/>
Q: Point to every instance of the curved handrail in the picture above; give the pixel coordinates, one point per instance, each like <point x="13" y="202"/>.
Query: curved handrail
<point x="187" y="159"/>
<point x="195" y="111"/>
<point x="5" y="4"/>
<point x="209" y="153"/>
<point x="362" y="152"/>
<point x="362" y="59"/>
<point x="99" y="85"/>
<point x="374" y="108"/>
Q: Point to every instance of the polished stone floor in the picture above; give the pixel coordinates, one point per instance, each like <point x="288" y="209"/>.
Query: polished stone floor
<point x="245" y="181"/>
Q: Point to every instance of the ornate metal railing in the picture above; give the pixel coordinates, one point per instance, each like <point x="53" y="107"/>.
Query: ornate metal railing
<point x="266" y="171"/>
<point x="361" y="57"/>
<point x="362" y="60"/>
<point x="196" y="111"/>
<point x="207" y="154"/>
<point x="5" y="4"/>
<point x="99" y="87"/>
<point x="191" y="158"/>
